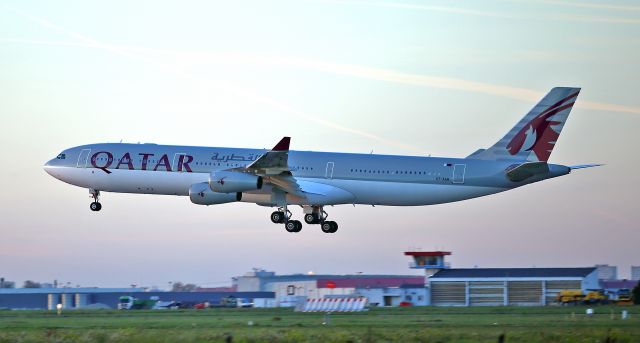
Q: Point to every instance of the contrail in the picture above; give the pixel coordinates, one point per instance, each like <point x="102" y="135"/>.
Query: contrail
<point x="517" y="93"/>
<point x="421" y="7"/>
<point x="591" y="5"/>
<point x="466" y="11"/>
<point x="92" y="43"/>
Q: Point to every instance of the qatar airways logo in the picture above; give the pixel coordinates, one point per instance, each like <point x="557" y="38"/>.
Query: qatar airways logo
<point x="539" y="135"/>
<point x="104" y="160"/>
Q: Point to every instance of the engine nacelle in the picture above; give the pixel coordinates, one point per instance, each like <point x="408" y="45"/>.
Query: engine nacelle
<point x="232" y="182"/>
<point x="201" y="194"/>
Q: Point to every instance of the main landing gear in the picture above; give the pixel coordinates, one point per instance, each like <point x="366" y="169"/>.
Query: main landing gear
<point x="95" y="205"/>
<point x="313" y="215"/>
<point x="282" y="215"/>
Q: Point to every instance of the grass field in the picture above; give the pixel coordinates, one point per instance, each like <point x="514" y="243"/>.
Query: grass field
<point x="418" y="324"/>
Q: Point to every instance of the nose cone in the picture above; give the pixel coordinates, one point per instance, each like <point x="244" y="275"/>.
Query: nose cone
<point x="49" y="167"/>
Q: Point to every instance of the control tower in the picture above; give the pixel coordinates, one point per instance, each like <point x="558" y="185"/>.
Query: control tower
<point x="431" y="261"/>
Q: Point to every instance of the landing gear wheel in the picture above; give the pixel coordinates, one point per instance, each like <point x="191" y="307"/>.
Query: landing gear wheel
<point x="277" y="217"/>
<point x="311" y="218"/>
<point x="95" y="206"/>
<point x="293" y="226"/>
<point x="329" y="227"/>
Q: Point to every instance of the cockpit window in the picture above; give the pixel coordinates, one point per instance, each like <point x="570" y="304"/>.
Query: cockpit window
<point x="62" y="156"/>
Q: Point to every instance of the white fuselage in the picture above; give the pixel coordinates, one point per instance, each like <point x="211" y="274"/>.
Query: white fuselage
<point x="329" y="178"/>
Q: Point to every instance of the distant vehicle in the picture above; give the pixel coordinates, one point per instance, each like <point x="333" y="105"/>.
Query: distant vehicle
<point x="233" y="302"/>
<point x="201" y="306"/>
<point x="575" y="297"/>
<point x="623" y="297"/>
<point x="166" y="305"/>
<point x="281" y="177"/>
<point x="127" y="302"/>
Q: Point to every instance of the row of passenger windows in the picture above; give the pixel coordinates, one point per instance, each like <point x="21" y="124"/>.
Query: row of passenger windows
<point x="405" y="172"/>
<point x="216" y="164"/>
<point x="295" y="168"/>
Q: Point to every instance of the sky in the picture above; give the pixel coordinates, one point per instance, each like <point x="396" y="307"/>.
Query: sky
<point x="438" y="78"/>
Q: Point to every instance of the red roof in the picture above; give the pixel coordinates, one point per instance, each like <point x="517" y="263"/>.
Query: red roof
<point x="427" y="253"/>
<point x="369" y="282"/>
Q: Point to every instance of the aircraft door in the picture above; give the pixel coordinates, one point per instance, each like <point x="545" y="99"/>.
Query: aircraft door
<point x="458" y="173"/>
<point x="83" y="158"/>
<point x="329" y="171"/>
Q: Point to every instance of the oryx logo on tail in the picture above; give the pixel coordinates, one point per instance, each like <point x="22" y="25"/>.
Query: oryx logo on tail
<point x="540" y="134"/>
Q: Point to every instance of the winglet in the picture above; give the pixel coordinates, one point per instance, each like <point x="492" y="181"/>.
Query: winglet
<point x="283" y="145"/>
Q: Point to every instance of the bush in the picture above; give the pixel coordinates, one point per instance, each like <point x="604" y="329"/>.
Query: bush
<point x="636" y="294"/>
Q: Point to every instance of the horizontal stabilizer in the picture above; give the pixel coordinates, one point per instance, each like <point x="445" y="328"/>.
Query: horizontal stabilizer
<point x="582" y="166"/>
<point x="524" y="171"/>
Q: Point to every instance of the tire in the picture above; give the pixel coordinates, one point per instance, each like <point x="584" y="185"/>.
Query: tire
<point x="291" y="226"/>
<point x="95" y="206"/>
<point x="334" y="226"/>
<point x="277" y="217"/>
<point x="298" y="225"/>
<point x="326" y="227"/>
<point x="310" y="218"/>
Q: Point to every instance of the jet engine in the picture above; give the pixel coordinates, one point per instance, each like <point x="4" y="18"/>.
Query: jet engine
<point x="232" y="182"/>
<point x="201" y="194"/>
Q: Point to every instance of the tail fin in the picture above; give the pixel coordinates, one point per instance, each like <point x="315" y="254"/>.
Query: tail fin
<point x="535" y="135"/>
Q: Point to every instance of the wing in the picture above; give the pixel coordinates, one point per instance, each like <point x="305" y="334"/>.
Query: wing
<point x="274" y="168"/>
<point x="274" y="161"/>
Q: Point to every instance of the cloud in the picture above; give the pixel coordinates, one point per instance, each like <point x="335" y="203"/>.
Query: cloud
<point x="379" y="74"/>
<point x="85" y="41"/>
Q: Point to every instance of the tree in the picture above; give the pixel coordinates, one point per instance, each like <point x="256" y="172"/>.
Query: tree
<point x="31" y="284"/>
<point x="636" y="294"/>
<point x="6" y="284"/>
<point x="183" y="287"/>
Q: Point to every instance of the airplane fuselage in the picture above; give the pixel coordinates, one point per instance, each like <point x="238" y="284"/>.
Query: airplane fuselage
<point x="364" y="178"/>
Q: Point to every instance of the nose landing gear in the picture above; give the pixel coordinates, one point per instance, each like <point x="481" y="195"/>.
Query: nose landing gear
<point x="95" y="205"/>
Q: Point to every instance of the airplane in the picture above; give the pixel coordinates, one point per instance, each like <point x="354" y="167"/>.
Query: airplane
<point x="281" y="177"/>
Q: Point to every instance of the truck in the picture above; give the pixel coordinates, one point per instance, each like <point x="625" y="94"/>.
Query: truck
<point x="576" y="296"/>
<point x="127" y="302"/>
<point x="623" y="297"/>
<point x="233" y="302"/>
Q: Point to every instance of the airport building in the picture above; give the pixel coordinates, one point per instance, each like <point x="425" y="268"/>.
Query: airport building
<point x="507" y="286"/>
<point x="440" y="285"/>
<point x="607" y="272"/>
<point x="78" y="298"/>
<point x="635" y="272"/>
<point x="381" y="290"/>
<point x="496" y="286"/>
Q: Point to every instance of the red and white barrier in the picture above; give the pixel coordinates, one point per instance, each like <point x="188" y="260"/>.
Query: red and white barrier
<point x="335" y="305"/>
